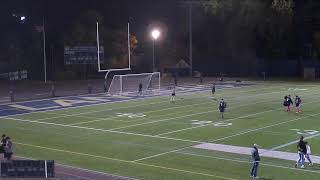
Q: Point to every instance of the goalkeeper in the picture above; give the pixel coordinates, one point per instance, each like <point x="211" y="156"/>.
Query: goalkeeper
<point x="140" y="89"/>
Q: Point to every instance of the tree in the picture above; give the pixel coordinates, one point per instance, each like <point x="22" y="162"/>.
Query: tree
<point x="269" y="21"/>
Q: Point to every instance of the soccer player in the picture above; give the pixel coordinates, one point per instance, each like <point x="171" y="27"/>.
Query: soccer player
<point x="308" y="153"/>
<point x="213" y="88"/>
<point x="173" y="94"/>
<point x="289" y="103"/>
<point x="285" y="102"/>
<point x="302" y="150"/>
<point x="140" y="89"/>
<point x="222" y="107"/>
<point x="298" y="102"/>
<point x="255" y="161"/>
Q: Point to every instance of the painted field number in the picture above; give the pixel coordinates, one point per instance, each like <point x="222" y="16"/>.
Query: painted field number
<point x="303" y="132"/>
<point x="131" y="115"/>
<point x="222" y="124"/>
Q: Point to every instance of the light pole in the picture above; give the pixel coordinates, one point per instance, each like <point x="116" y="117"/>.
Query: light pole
<point x="22" y="19"/>
<point x="155" y="35"/>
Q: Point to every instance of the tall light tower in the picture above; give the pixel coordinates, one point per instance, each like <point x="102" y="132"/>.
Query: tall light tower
<point x="155" y="35"/>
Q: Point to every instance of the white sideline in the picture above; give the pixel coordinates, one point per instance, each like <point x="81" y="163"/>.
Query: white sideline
<point x="247" y="151"/>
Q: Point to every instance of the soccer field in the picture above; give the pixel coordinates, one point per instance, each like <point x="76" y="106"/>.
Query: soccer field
<point x="154" y="139"/>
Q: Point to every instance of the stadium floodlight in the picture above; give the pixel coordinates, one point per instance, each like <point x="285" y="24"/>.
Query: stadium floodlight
<point x="155" y="35"/>
<point x="22" y="18"/>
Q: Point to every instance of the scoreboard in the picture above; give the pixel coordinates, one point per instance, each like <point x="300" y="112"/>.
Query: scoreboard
<point x="27" y="169"/>
<point x="83" y="55"/>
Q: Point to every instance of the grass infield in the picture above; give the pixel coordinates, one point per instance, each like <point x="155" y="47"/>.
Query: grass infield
<point x="153" y="138"/>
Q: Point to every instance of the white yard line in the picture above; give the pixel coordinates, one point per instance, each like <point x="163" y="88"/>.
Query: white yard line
<point x="78" y="114"/>
<point x="293" y="142"/>
<point x="101" y="130"/>
<point x="227" y="137"/>
<point x="90" y="105"/>
<point x="189" y="115"/>
<point x="265" y="127"/>
<point x="178" y="117"/>
<point x="289" y="156"/>
<point x="248" y="162"/>
<point x="126" y="100"/>
<point x="59" y="115"/>
<point x="166" y="101"/>
<point x="228" y="120"/>
<point x="146" y="112"/>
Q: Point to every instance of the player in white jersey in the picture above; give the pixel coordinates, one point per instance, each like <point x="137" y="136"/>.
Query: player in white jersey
<point x="308" y="154"/>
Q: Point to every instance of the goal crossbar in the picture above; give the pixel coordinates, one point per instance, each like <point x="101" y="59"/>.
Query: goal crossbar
<point x="129" y="83"/>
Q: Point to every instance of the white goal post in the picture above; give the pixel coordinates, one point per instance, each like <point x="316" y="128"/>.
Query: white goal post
<point x="129" y="83"/>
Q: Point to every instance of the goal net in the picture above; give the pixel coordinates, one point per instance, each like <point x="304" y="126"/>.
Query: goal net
<point x="129" y="83"/>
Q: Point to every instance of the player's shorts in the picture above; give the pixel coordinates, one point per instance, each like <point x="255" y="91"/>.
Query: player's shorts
<point x="221" y="110"/>
<point x="298" y="105"/>
<point x="8" y="155"/>
<point x="173" y="94"/>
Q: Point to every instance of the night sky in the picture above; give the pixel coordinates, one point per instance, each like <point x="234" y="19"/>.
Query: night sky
<point x="59" y="14"/>
<point x="221" y="43"/>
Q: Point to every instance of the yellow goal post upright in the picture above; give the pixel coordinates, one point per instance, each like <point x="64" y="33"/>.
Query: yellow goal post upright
<point x="107" y="71"/>
<point x="128" y="83"/>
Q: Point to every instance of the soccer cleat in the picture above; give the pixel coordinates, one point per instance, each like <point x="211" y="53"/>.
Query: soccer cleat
<point x="302" y="167"/>
<point x="296" y="165"/>
<point x="310" y="164"/>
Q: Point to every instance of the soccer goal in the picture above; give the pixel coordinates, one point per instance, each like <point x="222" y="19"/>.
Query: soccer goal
<point x="129" y="83"/>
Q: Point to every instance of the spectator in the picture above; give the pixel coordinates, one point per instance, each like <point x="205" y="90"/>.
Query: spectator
<point x="3" y="143"/>
<point x="255" y="161"/>
<point x="8" y="149"/>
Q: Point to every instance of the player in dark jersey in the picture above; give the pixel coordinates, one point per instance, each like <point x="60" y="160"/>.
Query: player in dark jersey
<point x="140" y="89"/>
<point x="285" y="102"/>
<point x="302" y="151"/>
<point x="213" y="88"/>
<point x="289" y="103"/>
<point x="222" y="107"/>
<point x="298" y="102"/>
<point x="173" y="94"/>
